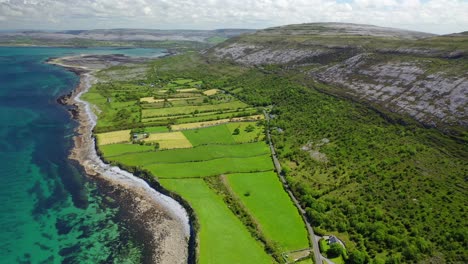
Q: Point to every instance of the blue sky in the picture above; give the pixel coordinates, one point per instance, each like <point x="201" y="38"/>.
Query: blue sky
<point x="435" y="16"/>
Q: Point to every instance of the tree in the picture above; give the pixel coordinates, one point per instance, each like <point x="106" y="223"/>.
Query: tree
<point x="156" y="146"/>
<point x="357" y="257"/>
<point x="249" y="128"/>
<point x="411" y="252"/>
<point x="395" y="259"/>
<point x="122" y="114"/>
<point x="316" y="218"/>
<point x="236" y="131"/>
<point x="171" y="90"/>
<point x="335" y="250"/>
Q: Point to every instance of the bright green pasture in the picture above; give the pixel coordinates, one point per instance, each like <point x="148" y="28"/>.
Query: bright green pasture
<point x="190" y="118"/>
<point x="108" y="110"/>
<point x="182" y="81"/>
<point x="146" y="105"/>
<point x="181" y="94"/>
<point x="156" y="129"/>
<point x="201" y="153"/>
<point x="183" y="116"/>
<point x="195" y="83"/>
<point x="211" y="167"/>
<point x="215" y="116"/>
<point x="222" y="237"/>
<point x="209" y="135"/>
<point x="93" y="97"/>
<point x="264" y="197"/>
<point x="190" y="109"/>
<point x="187" y="102"/>
<point x="257" y="134"/>
<point x="119" y="149"/>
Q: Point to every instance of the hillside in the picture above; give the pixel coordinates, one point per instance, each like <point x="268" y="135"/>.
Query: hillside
<point x="416" y="74"/>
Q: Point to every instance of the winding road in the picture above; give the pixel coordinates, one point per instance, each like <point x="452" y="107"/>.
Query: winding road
<point x="312" y="237"/>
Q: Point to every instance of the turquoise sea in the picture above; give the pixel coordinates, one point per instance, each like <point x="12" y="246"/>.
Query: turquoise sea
<point x="50" y="211"/>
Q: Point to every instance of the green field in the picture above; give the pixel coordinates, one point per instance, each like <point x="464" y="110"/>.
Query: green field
<point x="156" y="129"/>
<point x="114" y="112"/>
<point x="222" y="237"/>
<point x="215" y="116"/>
<point x="211" y="167"/>
<point x="188" y="118"/>
<point x="182" y="81"/>
<point x="209" y="135"/>
<point x="108" y="111"/>
<point x="263" y="195"/>
<point x="201" y="153"/>
<point x="119" y="149"/>
<point x="181" y="110"/>
<point x="244" y="136"/>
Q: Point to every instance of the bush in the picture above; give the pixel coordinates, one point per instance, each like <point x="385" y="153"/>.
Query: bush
<point x="357" y="257"/>
<point x="249" y="128"/>
<point x="335" y="250"/>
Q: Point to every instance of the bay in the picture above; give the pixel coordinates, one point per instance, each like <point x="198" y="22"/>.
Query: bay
<point x="50" y="212"/>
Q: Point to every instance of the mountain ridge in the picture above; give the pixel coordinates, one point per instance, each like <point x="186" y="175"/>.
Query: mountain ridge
<point x="420" y="75"/>
<point x="324" y="28"/>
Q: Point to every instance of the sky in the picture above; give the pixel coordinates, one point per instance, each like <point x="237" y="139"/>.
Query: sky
<point x="434" y="16"/>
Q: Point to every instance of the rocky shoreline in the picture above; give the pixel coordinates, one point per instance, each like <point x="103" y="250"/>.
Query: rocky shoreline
<point x="162" y="221"/>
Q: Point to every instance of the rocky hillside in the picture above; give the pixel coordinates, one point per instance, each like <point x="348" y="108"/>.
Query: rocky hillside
<point x="412" y="73"/>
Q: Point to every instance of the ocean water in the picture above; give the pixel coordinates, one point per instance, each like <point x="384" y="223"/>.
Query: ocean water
<point x="50" y="212"/>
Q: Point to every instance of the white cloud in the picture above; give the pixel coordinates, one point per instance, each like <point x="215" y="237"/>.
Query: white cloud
<point x="147" y="10"/>
<point x="438" y="16"/>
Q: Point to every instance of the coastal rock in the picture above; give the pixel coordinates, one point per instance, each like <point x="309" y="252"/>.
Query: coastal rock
<point x="159" y="219"/>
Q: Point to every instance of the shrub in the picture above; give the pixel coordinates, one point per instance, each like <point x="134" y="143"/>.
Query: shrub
<point x="335" y="250"/>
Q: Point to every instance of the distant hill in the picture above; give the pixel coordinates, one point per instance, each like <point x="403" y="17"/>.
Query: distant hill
<point x="326" y="29"/>
<point x="121" y="37"/>
<point x="461" y="34"/>
<point x="418" y="74"/>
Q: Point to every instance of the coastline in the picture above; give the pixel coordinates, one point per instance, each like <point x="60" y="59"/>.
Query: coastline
<point x="163" y="221"/>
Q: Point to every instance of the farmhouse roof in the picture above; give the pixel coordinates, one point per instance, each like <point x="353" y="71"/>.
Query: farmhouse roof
<point x="332" y="240"/>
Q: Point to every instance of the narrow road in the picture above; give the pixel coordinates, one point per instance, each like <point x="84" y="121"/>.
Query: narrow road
<point x="312" y="238"/>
